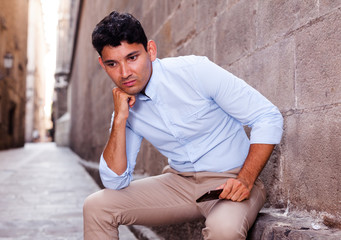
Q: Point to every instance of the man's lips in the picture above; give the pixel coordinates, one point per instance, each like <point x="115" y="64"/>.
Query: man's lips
<point x="129" y="83"/>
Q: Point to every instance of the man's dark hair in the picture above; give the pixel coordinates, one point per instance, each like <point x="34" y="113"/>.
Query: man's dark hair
<point x="116" y="28"/>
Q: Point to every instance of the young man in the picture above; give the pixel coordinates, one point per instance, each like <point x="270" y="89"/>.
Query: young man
<point x="193" y="112"/>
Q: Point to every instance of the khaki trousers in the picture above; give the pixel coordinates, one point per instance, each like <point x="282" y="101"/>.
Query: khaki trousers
<point x="171" y="198"/>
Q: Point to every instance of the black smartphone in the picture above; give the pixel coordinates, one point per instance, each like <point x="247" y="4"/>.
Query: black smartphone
<point x="210" y="195"/>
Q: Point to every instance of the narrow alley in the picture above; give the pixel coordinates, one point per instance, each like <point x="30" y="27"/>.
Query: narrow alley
<point x="42" y="191"/>
<point x="56" y="107"/>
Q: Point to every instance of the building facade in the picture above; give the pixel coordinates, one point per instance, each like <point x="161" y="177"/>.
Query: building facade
<point x="13" y="60"/>
<point x="35" y="81"/>
<point x="68" y="16"/>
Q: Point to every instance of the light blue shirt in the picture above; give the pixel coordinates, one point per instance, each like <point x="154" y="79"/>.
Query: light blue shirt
<point x="193" y="113"/>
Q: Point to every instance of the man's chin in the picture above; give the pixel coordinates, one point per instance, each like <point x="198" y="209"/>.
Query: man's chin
<point x="131" y="91"/>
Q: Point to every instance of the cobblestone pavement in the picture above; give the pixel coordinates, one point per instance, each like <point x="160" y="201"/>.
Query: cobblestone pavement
<point x="42" y="191"/>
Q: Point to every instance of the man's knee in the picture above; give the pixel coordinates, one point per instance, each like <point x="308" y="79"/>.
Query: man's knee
<point x="91" y="206"/>
<point x="224" y="230"/>
<point x="97" y="205"/>
<point x="98" y="220"/>
<point x="103" y="206"/>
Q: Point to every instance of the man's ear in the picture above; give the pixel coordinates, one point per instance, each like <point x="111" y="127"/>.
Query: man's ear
<point x="152" y="50"/>
<point x="101" y="62"/>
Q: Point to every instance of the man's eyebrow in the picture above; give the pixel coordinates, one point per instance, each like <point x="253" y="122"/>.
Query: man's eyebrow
<point x="132" y="53"/>
<point x="129" y="55"/>
<point x="109" y="61"/>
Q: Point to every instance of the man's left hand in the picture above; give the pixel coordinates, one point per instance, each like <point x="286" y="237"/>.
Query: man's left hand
<point x="235" y="190"/>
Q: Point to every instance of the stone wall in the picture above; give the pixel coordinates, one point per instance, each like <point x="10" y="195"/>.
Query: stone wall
<point x="68" y="15"/>
<point x="13" y="41"/>
<point x="288" y="50"/>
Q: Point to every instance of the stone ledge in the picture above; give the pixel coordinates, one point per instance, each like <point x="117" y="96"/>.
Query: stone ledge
<point x="144" y="233"/>
<point x="269" y="226"/>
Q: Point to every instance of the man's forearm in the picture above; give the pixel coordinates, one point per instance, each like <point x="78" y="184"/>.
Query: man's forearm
<point x="254" y="163"/>
<point x="115" y="150"/>
<point x="239" y="189"/>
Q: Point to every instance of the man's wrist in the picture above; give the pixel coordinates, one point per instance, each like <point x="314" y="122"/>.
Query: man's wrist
<point x="247" y="181"/>
<point x="120" y="119"/>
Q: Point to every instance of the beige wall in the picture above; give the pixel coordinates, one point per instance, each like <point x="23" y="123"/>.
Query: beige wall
<point x="13" y="39"/>
<point x="35" y="81"/>
<point x="288" y="50"/>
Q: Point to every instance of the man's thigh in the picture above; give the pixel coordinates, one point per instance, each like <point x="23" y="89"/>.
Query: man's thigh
<point x="162" y="199"/>
<point x="231" y="220"/>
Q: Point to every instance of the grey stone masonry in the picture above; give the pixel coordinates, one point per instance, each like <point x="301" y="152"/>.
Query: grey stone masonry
<point x="42" y="191"/>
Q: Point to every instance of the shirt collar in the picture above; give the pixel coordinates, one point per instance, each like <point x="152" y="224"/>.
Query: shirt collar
<point x="151" y="88"/>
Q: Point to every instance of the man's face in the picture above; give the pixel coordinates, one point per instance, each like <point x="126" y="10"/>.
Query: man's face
<point x="129" y="65"/>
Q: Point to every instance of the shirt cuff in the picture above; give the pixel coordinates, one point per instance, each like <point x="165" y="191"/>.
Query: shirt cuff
<point x="112" y="180"/>
<point x="272" y="135"/>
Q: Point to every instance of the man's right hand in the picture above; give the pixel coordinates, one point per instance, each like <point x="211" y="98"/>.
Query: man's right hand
<point x="122" y="102"/>
<point x="115" y="151"/>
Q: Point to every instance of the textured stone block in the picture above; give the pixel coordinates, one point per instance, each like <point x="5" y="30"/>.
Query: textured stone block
<point x="272" y="72"/>
<point x="272" y="177"/>
<point x="160" y="12"/>
<point x="154" y="19"/>
<point x="148" y="23"/>
<point x="326" y="6"/>
<point x="311" y="154"/>
<point x="182" y="22"/>
<point x="277" y="18"/>
<point x="164" y="40"/>
<point x="172" y="6"/>
<point x="318" y="58"/>
<point x="235" y="36"/>
<point x="207" y="11"/>
<point x="203" y="45"/>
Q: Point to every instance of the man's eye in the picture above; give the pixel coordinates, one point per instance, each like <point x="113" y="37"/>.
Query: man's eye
<point x="111" y="64"/>
<point x="133" y="57"/>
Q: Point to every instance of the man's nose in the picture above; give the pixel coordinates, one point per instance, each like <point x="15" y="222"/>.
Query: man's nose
<point x="125" y="71"/>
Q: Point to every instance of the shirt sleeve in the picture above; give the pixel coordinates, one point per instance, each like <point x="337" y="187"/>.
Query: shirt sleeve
<point x="241" y="101"/>
<point x="109" y="178"/>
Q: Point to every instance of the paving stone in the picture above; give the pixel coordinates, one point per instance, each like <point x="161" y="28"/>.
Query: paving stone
<point x="42" y="191"/>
